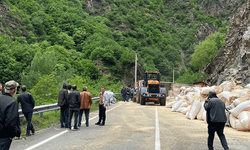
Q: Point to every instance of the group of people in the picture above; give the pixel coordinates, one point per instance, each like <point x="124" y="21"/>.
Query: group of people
<point x="126" y="94"/>
<point x="70" y="102"/>
<point x="74" y="102"/>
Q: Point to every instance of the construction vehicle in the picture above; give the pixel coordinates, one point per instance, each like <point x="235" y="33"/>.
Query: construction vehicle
<point x="150" y="89"/>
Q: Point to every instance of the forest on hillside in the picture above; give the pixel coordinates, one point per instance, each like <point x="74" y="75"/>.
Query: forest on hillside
<point x="44" y="43"/>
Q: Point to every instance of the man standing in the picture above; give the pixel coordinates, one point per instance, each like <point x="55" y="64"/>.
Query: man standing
<point x="86" y="101"/>
<point x="216" y="119"/>
<point x="69" y="88"/>
<point x="9" y="117"/>
<point x="103" y="104"/>
<point x="27" y="105"/>
<point x="122" y="93"/>
<point x="63" y="103"/>
<point x="127" y="94"/>
<point x="74" y="100"/>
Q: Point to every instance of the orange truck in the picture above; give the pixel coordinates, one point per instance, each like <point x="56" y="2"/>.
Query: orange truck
<point x="150" y="90"/>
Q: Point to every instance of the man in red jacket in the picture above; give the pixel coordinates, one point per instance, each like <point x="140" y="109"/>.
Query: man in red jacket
<point x="86" y="101"/>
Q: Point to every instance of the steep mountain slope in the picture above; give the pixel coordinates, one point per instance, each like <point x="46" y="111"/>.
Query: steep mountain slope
<point x="233" y="58"/>
<point x="90" y="38"/>
<point x="167" y="27"/>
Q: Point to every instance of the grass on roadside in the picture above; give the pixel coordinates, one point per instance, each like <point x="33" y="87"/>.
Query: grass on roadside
<point x="49" y="119"/>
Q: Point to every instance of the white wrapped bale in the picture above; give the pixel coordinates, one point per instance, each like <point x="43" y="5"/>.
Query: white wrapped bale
<point x="236" y="102"/>
<point x="248" y="86"/>
<point x="176" y="106"/>
<point x="238" y="93"/>
<point x="206" y="90"/>
<point x="232" y="121"/>
<point x="244" y="106"/>
<point x="228" y="122"/>
<point x="223" y="84"/>
<point x="195" y="108"/>
<point x="184" y="111"/>
<point x="201" y="112"/>
<point x="183" y="88"/>
<point x="180" y="109"/>
<point x="244" y="118"/>
<point x="225" y="96"/>
<point x="240" y="126"/>
<point x="189" y="98"/>
<point x="182" y="106"/>
<point x="218" y="89"/>
<point x="196" y="89"/>
<point x="169" y="105"/>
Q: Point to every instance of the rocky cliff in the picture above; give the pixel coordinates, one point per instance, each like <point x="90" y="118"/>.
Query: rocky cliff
<point x="233" y="58"/>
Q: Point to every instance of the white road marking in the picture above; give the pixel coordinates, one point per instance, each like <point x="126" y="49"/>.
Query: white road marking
<point x="61" y="133"/>
<point x="157" y="131"/>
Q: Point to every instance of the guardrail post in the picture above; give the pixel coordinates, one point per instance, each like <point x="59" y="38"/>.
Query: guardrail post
<point x="56" y="111"/>
<point x="41" y="115"/>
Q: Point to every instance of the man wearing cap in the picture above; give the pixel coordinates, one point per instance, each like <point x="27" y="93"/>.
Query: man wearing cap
<point x="9" y="117"/>
<point x="216" y="119"/>
<point x="27" y="105"/>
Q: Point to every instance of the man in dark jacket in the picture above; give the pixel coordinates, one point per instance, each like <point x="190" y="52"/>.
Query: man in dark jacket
<point x="216" y="119"/>
<point x="74" y="101"/>
<point x="27" y="105"/>
<point x="122" y="93"/>
<point x="63" y="103"/>
<point x="9" y="116"/>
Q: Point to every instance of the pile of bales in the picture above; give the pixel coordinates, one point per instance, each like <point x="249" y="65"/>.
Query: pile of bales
<point x="190" y="102"/>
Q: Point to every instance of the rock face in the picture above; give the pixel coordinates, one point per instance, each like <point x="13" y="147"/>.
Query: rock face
<point x="233" y="58"/>
<point x="219" y="7"/>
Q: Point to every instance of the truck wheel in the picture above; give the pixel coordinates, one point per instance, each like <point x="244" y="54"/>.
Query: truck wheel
<point x="163" y="102"/>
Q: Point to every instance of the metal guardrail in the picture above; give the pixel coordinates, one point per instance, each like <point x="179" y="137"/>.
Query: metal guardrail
<point x="44" y="108"/>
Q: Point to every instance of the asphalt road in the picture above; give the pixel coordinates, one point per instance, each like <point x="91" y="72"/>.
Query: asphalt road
<point x="130" y="126"/>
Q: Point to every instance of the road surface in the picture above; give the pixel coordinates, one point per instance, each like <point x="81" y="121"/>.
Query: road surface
<point x="130" y="126"/>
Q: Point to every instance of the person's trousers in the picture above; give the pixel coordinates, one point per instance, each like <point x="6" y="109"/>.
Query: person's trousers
<point x="102" y="114"/>
<point x="218" y="128"/>
<point x="30" y="127"/>
<point x="5" y="143"/>
<point x="64" y="116"/>
<point x="86" y="111"/>
<point x="74" y="111"/>
<point x="127" y="98"/>
<point x="122" y="96"/>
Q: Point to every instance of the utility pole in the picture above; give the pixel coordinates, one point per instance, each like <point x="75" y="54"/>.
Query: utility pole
<point x="135" y="64"/>
<point x="173" y="73"/>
